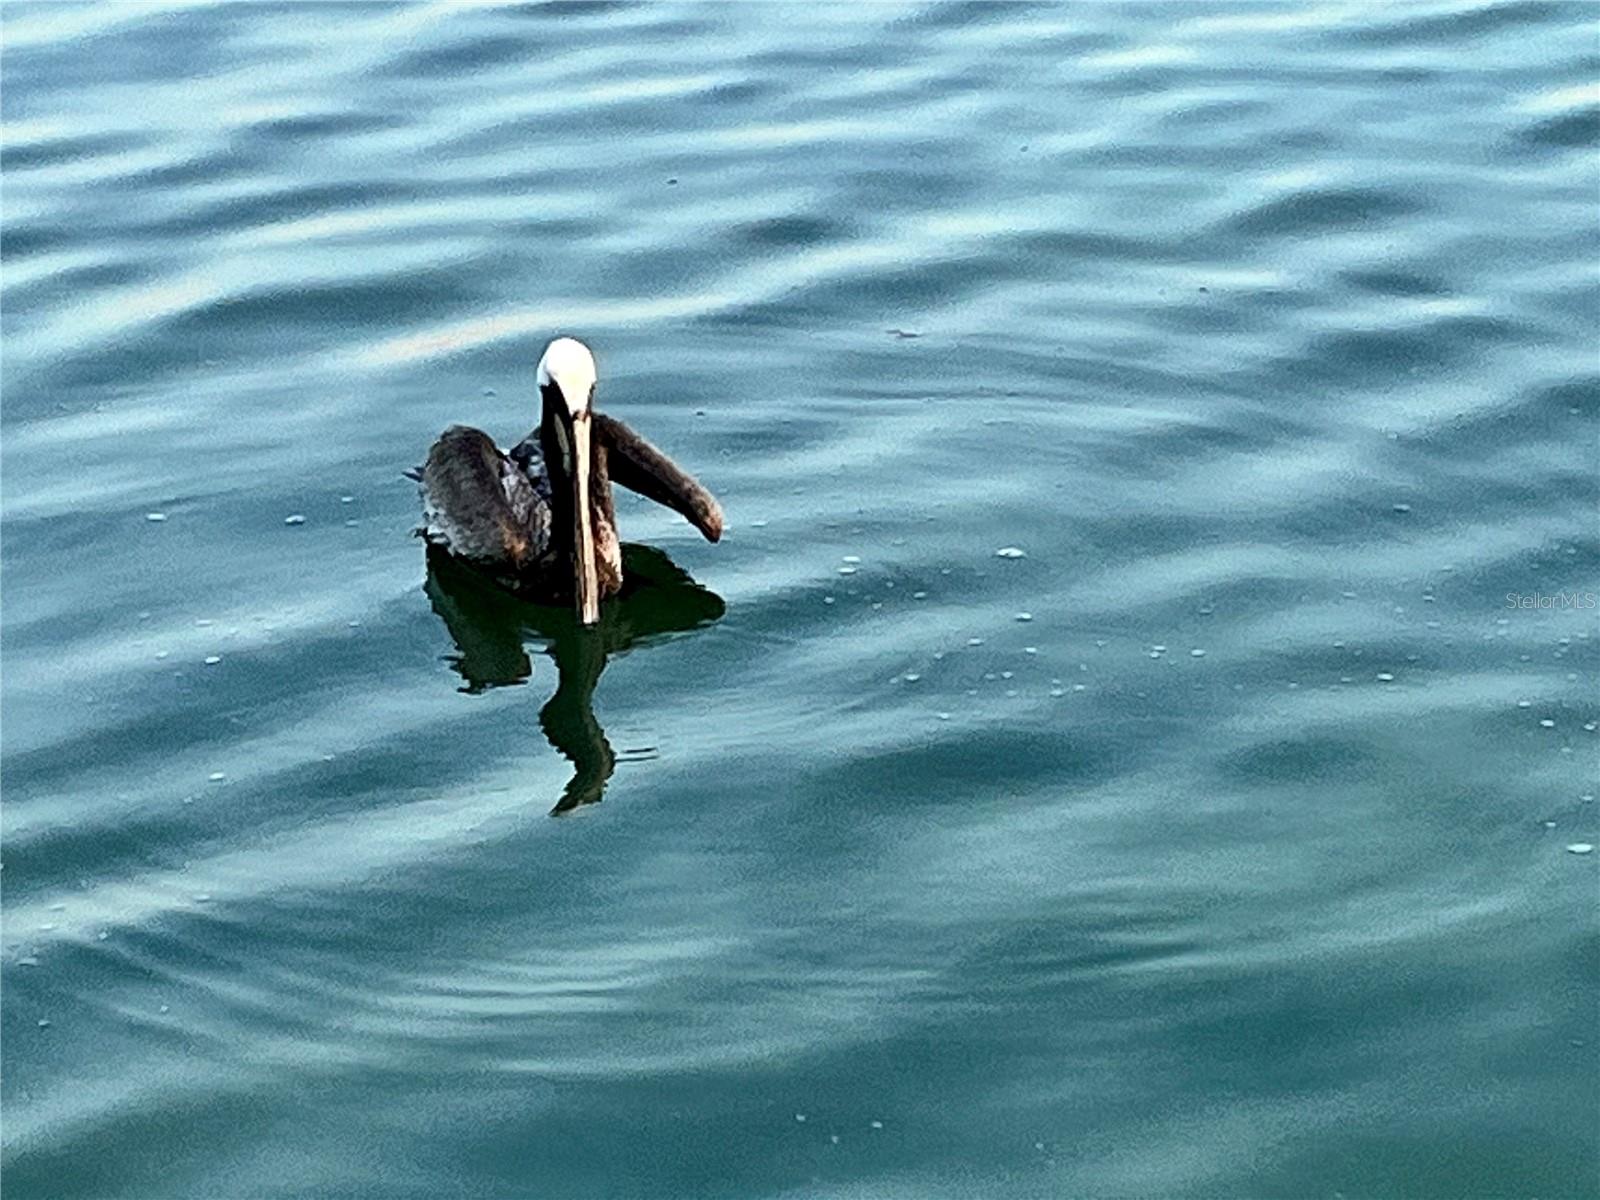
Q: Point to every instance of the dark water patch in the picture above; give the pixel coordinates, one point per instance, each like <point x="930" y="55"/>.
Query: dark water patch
<point x="964" y="14"/>
<point x="742" y="93"/>
<point x="136" y="1140"/>
<point x="458" y="60"/>
<point x="785" y="232"/>
<point x="567" y="10"/>
<point x="1566" y="132"/>
<point x="1381" y="281"/>
<point x="311" y="126"/>
<point x="1300" y="760"/>
<point x="1451" y="28"/>
<point x="1555" y="411"/>
<point x="26" y="156"/>
<point x="322" y="308"/>
<point x="125" y="53"/>
<point x="64" y="287"/>
<point x="1319" y="210"/>
<point x="1063" y="248"/>
<point x="24" y="239"/>
<point x="987" y="763"/>
<point x="268" y="207"/>
<point x="1391" y="356"/>
<point x="207" y="168"/>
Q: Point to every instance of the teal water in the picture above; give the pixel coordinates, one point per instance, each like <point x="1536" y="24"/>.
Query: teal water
<point x="1217" y="846"/>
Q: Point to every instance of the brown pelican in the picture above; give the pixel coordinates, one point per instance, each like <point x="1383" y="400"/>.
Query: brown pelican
<point x="539" y="518"/>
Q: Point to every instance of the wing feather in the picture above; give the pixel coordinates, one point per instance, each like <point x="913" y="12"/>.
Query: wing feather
<point x="481" y="505"/>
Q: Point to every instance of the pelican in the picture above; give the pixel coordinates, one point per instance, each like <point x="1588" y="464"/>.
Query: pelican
<point x="538" y="518"/>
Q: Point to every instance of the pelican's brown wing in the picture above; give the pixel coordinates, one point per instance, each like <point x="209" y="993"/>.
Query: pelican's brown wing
<point x="480" y="505"/>
<point x="640" y="467"/>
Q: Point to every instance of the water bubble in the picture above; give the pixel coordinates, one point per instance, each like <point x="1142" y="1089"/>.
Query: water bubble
<point x="1011" y="552"/>
<point x="295" y="519"/>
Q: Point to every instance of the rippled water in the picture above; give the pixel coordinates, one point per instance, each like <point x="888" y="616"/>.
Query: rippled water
<point x="1224" y="842"/>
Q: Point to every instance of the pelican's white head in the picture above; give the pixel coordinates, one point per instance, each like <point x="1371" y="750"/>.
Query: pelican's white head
<point x="568" y="364"/>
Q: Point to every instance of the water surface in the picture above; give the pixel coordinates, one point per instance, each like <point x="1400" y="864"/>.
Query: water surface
<point x="1215" y="844"/>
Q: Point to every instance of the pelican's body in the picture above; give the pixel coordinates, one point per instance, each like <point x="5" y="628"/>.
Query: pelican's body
<point x="539" y="518"/>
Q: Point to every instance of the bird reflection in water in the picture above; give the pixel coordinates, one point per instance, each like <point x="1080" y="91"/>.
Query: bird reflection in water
<point x="491" y="628"/>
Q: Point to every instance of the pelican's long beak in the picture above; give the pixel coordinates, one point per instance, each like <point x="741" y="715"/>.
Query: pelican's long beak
<point x="566" y="432"/>
<point x="587" y="589"/>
